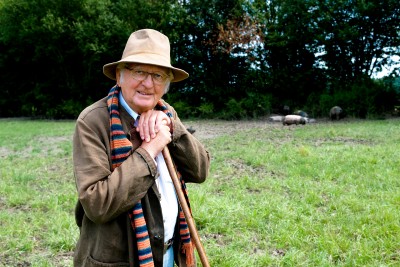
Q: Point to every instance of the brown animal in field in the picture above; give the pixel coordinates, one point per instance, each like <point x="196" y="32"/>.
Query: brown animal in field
<point x="336" y="113"/>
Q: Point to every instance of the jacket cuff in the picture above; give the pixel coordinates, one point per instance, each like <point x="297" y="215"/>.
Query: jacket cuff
<point x="151" y="163"/>
<point x="178" y="130"/>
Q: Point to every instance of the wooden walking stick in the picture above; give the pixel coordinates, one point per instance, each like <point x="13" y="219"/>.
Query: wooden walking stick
<point x="185" y="208"/>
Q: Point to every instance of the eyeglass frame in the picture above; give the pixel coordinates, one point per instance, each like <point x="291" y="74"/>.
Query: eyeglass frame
<point x="164" y="77"/>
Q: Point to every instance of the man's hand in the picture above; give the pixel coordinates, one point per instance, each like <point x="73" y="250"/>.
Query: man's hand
<point x="154" y="129"/>
<point x="151" y="122"/>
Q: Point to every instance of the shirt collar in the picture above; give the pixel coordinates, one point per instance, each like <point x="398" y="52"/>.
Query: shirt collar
<point x="126" y="106"/>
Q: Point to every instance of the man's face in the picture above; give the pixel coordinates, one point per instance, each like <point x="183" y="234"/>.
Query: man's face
<point x="140" y="89"/>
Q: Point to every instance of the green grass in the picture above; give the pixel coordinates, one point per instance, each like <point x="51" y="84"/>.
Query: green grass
<point x="37" y="193"/>
<point x="325" y="194"/>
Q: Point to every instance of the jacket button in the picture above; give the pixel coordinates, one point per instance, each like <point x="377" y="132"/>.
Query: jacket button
<point x="157" y="237"/>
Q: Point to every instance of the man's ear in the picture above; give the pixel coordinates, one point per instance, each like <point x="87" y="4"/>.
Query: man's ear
<point x="118" y="74"/>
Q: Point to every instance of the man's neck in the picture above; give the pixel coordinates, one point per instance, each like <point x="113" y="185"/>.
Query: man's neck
<point x="127" y="107"/>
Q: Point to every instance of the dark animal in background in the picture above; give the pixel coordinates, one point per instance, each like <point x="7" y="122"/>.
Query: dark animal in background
<point x="336" y="113"/>
<point x="294" y="119"/>
<point x="396" y="111"/>
<point x="301" y="113"/>
<point x="286" y="110"/>
<point x="191" y="130"/>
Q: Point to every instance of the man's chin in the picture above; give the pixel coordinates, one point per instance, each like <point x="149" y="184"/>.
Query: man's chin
<point x="143" y="106"/>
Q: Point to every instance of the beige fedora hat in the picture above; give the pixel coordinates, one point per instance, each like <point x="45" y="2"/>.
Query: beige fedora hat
<point x="147" y="46"/>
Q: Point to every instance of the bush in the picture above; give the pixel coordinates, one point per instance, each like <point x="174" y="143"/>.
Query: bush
<point x="206" y="110"/>
<point x="364" y="99"/>
<point x="253" y="106"/>
<point x="183" y="109"/>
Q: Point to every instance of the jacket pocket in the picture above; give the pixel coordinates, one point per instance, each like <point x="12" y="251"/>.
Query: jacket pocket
<point x="90" y="262"/>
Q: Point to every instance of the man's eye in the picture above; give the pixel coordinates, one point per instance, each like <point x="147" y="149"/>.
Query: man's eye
<point x="157" y="76"/>
<point x="139" y="72"/>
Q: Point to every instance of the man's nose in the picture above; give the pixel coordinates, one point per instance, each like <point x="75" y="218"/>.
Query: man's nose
<point x="149" y="80"/>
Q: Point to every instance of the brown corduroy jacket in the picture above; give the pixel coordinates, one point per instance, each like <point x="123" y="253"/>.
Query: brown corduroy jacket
<point x="104" y="196"/>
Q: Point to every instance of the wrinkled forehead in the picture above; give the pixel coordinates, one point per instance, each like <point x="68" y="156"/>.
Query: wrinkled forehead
<point x="147" y="67"/>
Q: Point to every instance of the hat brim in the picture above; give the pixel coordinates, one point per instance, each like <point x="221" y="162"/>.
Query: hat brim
<point x="110" y="69"/>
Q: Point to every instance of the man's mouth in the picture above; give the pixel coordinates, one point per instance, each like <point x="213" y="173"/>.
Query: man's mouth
<point x="143" y="93"/>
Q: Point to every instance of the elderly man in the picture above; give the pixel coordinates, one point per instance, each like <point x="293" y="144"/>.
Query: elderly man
<point x="127" y="211"/>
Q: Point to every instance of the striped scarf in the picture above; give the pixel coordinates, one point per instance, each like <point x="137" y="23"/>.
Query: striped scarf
<point x="121" y="148"/>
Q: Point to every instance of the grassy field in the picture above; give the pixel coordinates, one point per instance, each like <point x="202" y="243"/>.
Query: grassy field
<point x="323" y="194"/>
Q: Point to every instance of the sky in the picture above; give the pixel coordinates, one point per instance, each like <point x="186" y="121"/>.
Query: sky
<point x="387" y="70"/>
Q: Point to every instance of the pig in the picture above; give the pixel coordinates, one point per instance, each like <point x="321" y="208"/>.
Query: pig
<point x="276" y="118"/>
<point x="294" y="119"/>
<point x="336" y="113"/>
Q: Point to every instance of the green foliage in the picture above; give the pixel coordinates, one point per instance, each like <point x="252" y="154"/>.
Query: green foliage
<point x="67" y="109"/>
<point x="252" y="106"/>
<point x="233" y="110"/>
<point x="183" y="109"/>
<point x="206" y="110"/>
<point x="288" y="51"/>
<point x="364" y="99"/>
<point x="326" y="102"/>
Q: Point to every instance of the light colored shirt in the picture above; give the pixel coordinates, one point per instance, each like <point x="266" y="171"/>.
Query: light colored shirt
<point x="169" y="201"/>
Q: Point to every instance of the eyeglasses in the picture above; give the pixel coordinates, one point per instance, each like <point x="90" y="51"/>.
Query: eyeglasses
<point x="141" y="75"/>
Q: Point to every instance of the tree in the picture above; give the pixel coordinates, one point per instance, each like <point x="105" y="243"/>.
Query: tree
<point x="55" y="50"/>
<point x="358" y="37"/>
<point x="212" y="71"/>
<point x="245" y="58"/>
<point x="288" y="55"/>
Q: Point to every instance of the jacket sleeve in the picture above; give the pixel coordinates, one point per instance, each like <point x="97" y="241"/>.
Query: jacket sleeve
<point x="190" y="156"/>
<point x="105" y="194"/>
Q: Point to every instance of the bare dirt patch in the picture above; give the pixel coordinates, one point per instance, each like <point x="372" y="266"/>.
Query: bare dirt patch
<point x="208" y="129"/>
